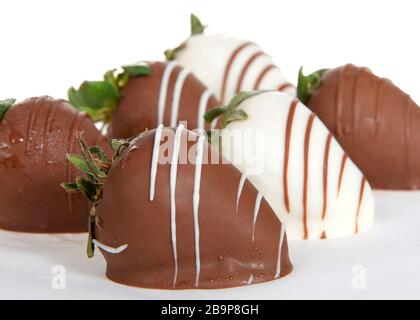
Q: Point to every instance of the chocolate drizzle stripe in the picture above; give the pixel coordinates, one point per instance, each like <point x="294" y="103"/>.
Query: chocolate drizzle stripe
<point x="323" y="235"/>
<point x="362" y="189"/>
<point x="256" y="211"/>
<point x="246" y="68"/>
<point x="338" y="102"/>
<point x="340" y="176"/>
<point x="325" y="175"/>
<point x="407" y="137"/>
<point x="48" y="122"/>
<point x="378" y="102"/>
<point x="289" y="124"/>
<point x="109" y="249"/>
<point x="196" y="202"/>
<point x="355" y="109"/>
<point x="202" y="106"/>
<point x="263" y="73"/>
<point x="155" y="159"/>
<point x="240" y="187"/>
<point x="179" y="85"/>
<point x="75" y="126"/>
<point x="229" y="66"/>
<point x="172" y="186"/>
<point x="32" y="119"/>
<point x="250" y="280"/>
<point x="164" y="89"/>
<point x="280" y="249"/>
<point x="284" y="86"/>
<point x="306" y="172"/>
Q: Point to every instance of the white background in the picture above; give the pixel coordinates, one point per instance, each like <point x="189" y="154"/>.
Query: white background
<point x="48" y="46"/>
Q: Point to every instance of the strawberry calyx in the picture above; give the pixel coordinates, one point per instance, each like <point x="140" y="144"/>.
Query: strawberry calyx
<point x="100" y="98"/>
<point x="196" y="27"/>
<point x="307" y="85"/>
<point x="5" y="105"/>
<point x="95" y="165"/>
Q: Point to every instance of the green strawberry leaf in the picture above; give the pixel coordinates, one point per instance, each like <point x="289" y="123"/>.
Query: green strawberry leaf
<point x="138" y="69"/>
<point x="214" y="113"/>
<point x="79" y="163"/>
<point x="98" y="94"/>
<point x="230" y="112"/>
<point x="99" y="153"/>
<point x="235" y="115"/>
<point x="307" y="85"/>
<point x="171" y="54"/>
<point x="5" y="105"/>
<point x="70" y="186"/>
<point x="196" y="26"/>
<point x="91" y="234"/>
<point x="87" y="187"/>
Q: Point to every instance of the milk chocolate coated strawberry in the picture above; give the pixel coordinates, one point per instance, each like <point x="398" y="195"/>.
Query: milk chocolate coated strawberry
<point x="166" y="221"/>
<point x="35" y="136"/>
<point x="375" y="122"/>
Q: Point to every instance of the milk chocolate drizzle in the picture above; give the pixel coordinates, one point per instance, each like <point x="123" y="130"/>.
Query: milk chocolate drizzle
<point x="325" y="174"/>
<point x="362" y="190"/>
<point x="378" y="102"/>
<point x="284" y="86"/>
<point x="245" y="68"/>
<point x="340" y="177"/>
<point x="289" y="124"/>
<point x="229" y="66"/>
<point x="32" y="119"/>
<point x="263" y="73"/>
<point x="306" y="173"/>
<point x="48" y="123"/>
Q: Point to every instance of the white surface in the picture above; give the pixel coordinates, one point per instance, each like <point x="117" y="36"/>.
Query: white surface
<point x="390" y="254"/>
<point x="50" y="45"/>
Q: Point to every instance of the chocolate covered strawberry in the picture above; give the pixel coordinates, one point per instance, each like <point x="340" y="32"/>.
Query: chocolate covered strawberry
<point x="144" y="95"/>
<point x="35" y="136"/>
<point x="290" y="156"/>
<point x="228" y="65"/>
<point x="162" y="220"/>
<point x="375" y="122"/>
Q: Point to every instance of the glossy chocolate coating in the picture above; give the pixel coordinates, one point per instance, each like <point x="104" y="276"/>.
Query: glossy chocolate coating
<point x="376" y="123"/>
<point x="35" y="136"/>
<point x="229" y="257"/>
<point x="138" y="107"/>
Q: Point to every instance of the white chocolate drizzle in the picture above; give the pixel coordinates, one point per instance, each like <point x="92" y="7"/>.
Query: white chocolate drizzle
<point x="240" y="187"/>
<point x="179" y="84"/>
<point x="172" y="186"/>
<point x="196" y="202"/>
<point x="155" y="158"/>
<point x="110" y="249"/>
<point x="256" y="211"/>
<point x="281" y="239"/>
<point x="164" y="89"/>
<point x="250" y="280"/>
<point x="204" y="99"/>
